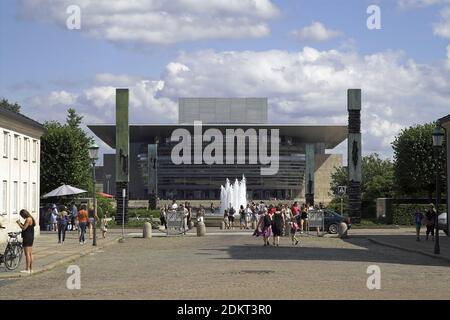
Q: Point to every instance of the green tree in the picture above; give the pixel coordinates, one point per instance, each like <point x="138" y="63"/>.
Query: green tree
<point x="65" y="155"/>
<point x="414" y="162"/>
<point x="377" y="178"/>
<point x="4" y="103"/>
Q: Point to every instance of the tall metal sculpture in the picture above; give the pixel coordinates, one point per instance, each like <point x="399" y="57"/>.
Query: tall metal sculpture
<point x="354" y="153"/>
<point x="153" y="175"/>
<point x="122" y="153"/>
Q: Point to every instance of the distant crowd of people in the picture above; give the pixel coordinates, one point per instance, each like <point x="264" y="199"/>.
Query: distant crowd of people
<point x="61" y="219"/>
<point x="185" y="210"/>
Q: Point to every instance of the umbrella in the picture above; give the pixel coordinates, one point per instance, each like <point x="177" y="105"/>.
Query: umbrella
<point x="64" y="190"/>
<point x="105" y="195"/>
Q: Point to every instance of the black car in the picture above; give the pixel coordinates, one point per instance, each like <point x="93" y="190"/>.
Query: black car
<point x="333" y="219"/>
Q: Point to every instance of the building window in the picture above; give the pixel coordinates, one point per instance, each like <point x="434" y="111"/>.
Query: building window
<point x="15" y="197"/>
<point x="4" y="207"/>
<point x="5" y="144"/>
<point x="16" y="147"/>
<point x="25" y="149"/>
<point x="25" y="196"/>
<point x="34" y="155"/>
<point x="34" y="195"/>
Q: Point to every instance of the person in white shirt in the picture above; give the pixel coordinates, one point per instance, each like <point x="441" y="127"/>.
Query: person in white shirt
<point x="185" y="214"/>
<point x="174" y="205"/>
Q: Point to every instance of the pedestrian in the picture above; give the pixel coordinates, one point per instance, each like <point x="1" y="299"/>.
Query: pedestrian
<point x="242" y="218"/>
<point x="82" y="218"/>
<point x="200" y="214"/>
<point x="418" y="217"/>
<point x="264" y="227"/>
<point x="163" y="216"/>
<point x="27" y="238"/>
<point x="231" y="217"/>
<point x="248" y="216"/>
<point x="91" y="220"/>
<point x="104" y="224"/>
<point x="431" y="221"/>
<point x="62" y="220"/>
<point x="48" y="219"/>
<point x="277" y="225"/>
<point x="304" y="222"/>
<point x="174" y="205"/>
<point x="54" y="218"/>
<point x="190" y="224"/>
<point x="73" y="216"/>
<point x="184" y="214"/>
<point x="212" y="208"/>
<point x="226" y="219"/>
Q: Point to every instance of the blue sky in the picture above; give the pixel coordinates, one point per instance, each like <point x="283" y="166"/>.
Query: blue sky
<point x="404" y="67"/>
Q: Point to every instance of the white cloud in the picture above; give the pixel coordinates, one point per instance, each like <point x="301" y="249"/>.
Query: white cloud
<point x="442" y="28"/>
<point x="315" y="32"/>
<point x="159" y="21"/>
<point x="308" y="86"/>
<point x="420" y="3"/>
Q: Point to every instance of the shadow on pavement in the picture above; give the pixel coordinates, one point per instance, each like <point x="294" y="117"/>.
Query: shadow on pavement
<point x="365" y="251"/>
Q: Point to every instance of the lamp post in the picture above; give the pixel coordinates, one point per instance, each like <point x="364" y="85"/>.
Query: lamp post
<point x="438" y="139"/>
<point x="93" y="155"/>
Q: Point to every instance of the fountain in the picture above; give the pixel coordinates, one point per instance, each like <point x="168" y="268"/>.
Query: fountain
<point x="234" y="194"/>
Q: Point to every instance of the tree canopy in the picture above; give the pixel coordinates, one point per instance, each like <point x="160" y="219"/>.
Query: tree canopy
<point x="4" y="103"/>
<point x="65" y="154"/>
<point x="377" y="178"/>
<point x="414" y="162"/>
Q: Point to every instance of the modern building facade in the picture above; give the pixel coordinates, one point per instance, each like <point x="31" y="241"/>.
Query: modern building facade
<point x="304" y="167"/>
<point x="19" y="169"/>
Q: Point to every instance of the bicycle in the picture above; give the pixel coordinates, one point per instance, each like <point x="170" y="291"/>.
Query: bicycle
<point x="13" y="252"/>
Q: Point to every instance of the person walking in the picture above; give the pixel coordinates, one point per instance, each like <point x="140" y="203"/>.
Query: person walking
<point x="184" y="214"/>
<point x="62" y="220"/>
<point x="48" y="219"/>
<point x="92" y="218"/>
<point x="163" y="216"/>
<point x="418" y="219"/>
<point x="304" y="223"/>
<point x="277" y="225"/>
<point x="212" y="208"/>
<point x="27" y="238"/>
<point x="226" y="220"/>
<point x="431" y="221"/>
<point x="104" y="224"/>
<point x="54" y="218"/>
<point x="82" y="218"/>
<point x="200" y="214"/>
<point x="242" y="218"/>
<point x="231" y="217"/>
<point x="248" y="216"/>
<point x="73" y="216"/>
<point x="264" y="227"/>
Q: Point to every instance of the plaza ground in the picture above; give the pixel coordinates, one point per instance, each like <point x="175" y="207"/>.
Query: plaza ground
<point x="235" y="265"/>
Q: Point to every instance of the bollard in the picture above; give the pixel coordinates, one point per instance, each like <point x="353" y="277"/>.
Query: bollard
<point x="343" y="229"/>
<point x="201" y="229"/>
<point x="222" y="225"/>
<point x="147" y="232"/>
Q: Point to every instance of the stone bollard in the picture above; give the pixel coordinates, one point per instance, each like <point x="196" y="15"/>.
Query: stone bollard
<point x="147" y="232"/>
<point x="342" y="230"/>
<point x="201" y="229"/>
<point x="222" y="225"/>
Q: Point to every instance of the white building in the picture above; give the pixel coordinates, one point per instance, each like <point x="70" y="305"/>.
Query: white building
<point x="19" y="169"/>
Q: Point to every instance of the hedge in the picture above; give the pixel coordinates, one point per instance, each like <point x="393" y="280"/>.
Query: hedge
<point x="403" y="214"/>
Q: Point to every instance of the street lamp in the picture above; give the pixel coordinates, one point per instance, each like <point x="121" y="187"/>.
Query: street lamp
<point x="438" y="139"/>
<point x="93" y="155"/>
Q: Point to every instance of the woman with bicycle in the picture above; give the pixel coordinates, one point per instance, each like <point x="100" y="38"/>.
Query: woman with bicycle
<point x="27" y="238"/>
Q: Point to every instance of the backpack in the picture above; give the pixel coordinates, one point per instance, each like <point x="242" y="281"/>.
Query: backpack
<point x="267" y="221"/>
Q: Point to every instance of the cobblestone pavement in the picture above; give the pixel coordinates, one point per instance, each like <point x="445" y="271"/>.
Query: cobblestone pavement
<point x="239" y="267"/>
